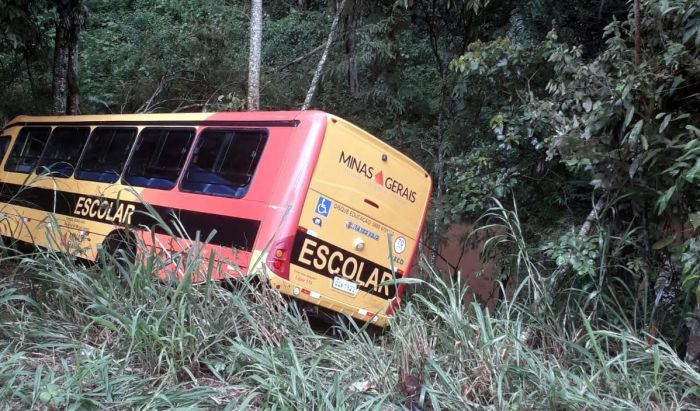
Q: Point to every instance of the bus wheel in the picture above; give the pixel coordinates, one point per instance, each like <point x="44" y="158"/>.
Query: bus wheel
<point x="120" y="251"/>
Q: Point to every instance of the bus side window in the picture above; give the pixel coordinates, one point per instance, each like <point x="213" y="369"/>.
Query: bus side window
<point x="4" y="144"/>
<point x="27" y="149"/>
<point x="224" y="162"/>
<point x="106" y="153"/>
<point x="62" y="151"/>
<point x="158" y="158"/>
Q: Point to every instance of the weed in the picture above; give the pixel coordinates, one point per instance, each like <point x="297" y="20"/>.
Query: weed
<point x="110" y="336"/>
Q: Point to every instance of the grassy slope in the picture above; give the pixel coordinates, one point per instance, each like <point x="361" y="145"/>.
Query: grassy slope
<point x="81" y="338"/>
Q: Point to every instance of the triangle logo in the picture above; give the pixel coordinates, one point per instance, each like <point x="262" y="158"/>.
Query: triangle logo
<point x="379" y="178"/>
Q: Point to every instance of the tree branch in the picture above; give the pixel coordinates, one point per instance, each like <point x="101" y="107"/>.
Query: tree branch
<point x="319" y="68"/>
<point x="148" y="105"/>
<point x="592" y="217"/>
<point x="302" y="57"/>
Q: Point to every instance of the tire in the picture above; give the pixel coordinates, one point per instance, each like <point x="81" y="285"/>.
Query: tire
<point x="120" y="251"/>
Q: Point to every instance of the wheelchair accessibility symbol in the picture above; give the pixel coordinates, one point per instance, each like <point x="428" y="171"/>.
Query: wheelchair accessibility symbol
<point x="323" y="207"/>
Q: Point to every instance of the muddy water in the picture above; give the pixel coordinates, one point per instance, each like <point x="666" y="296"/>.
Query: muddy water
<point x="459" y="255"/>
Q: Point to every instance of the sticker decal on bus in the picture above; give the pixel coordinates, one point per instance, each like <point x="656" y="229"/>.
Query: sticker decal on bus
<point x="323" y="207"/>
<point x="362" y="230"/>
<point x="364" y="169"/>
<point x="330" y="261"/>
<point x="399" y="245"/>
<point x="107" y="210"/>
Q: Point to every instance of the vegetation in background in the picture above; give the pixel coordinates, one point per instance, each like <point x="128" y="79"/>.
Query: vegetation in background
<point x="583" y="114"/>
<point x="624" y="122"/>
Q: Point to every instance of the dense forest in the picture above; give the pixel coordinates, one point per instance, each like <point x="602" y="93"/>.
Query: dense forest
<point x="567" y="131"/>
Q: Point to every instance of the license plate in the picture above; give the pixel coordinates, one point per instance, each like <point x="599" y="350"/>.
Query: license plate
<point x="345" y="285"/>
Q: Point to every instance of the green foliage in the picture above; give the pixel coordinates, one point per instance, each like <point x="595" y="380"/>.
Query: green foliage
<point x="23" y="23"/>
<point x="578" y="252"/>
<point x="25" y="35"/>
<point x="507" y="154"/>
<point x="690" y="262"/>
<point x="622" y="122"/>
<point x="600" y="123"/>
<point x="169" y="58"/>
<point x="475" y="179"/>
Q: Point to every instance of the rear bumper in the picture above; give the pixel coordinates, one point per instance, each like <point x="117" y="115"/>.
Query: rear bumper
<point x="286" y="287"/>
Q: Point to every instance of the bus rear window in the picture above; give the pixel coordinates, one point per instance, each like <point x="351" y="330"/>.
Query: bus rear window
<point x="224" y="162"/>
<point x="158" y="157"/>
<point x="27" y="149"/>
<point x="63" y="150"/>
<point x="106" y="154"/>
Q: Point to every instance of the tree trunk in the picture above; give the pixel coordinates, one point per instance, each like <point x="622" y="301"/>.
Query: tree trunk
<point x="441" y="153"/>
<point x="587" y="225"/>
<point x="322" y="62"/>
<point x="254" y="56"/>
<point x="60" y="71"/>
<point x="637" y="34"/>
<point x="73" y="87"/>
<point x="353" y="83"/>
<point x="438" y="198"/>
<point x="65" y="89"/>
<point x="692" y="352"/>
<point x="30" y="76"/>
<point x="668" y="294"/>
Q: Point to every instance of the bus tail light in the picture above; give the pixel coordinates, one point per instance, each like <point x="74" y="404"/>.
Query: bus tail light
<point x="278" y="258"/>
<point x="312" y="294"/>
<point x="365" y="313"/>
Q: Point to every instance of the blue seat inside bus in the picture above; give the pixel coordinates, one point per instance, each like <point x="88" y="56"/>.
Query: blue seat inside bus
<point x="207" y="182"/>
<point x="56" y="170"/>
<point x="100" y="176"/>
<point x="23" y="168"/>
<point x="153" y="182"/>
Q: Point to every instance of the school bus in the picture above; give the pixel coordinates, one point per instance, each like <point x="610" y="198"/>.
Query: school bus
<point x="327" y="212"/>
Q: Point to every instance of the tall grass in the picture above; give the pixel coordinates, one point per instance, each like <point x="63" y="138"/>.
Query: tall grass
<point x="110" y="336"/>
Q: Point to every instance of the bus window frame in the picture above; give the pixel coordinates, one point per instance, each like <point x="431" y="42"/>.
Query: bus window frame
<point x="5" y="140"/>
<point x="118" y="180"/>
<point x="132" y="151"/>
<point x="49" y="172"/>
<point x="16" y="141"/>
<point x="265" y="131"/>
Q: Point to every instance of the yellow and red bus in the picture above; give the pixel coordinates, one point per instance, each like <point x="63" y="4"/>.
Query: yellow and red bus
<point x="328" y="212"/>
